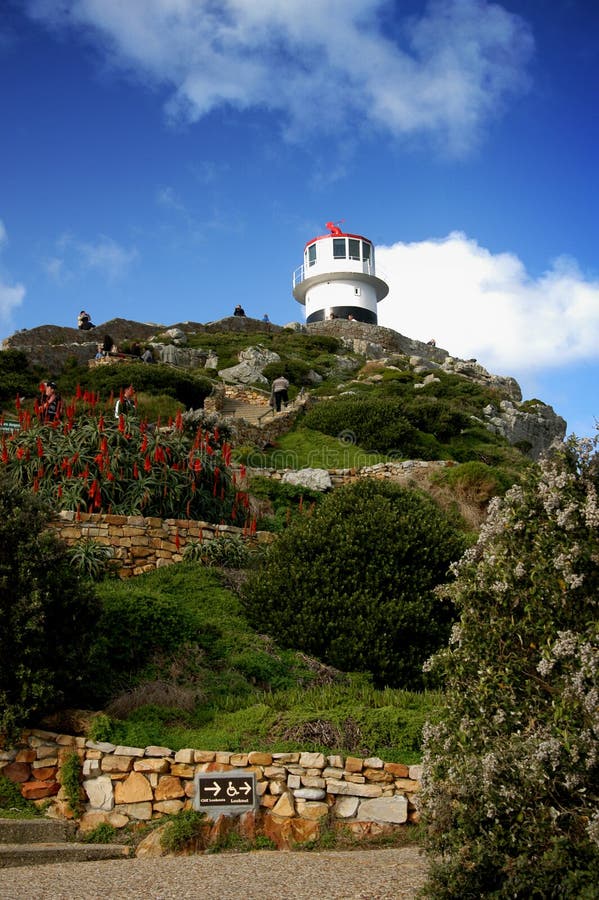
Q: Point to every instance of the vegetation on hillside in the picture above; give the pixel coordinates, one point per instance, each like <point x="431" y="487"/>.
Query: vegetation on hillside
<point x="193" y="672"/>
<point x="90" y="462"/>
<point x="353" y="583"/>
<point x="47" y="611"/>
<point x="512" y="769"/>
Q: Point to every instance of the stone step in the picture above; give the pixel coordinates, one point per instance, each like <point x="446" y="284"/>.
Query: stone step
<point x="30" y="842"/>
<point x="32" y="831"/>
<point x="249" y="411"/>
<point x="12" y="855"/>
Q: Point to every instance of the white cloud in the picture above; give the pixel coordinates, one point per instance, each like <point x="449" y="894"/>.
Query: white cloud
<point x="107" y="257"/>
<point x="11" y="295"/>
<point x="77" y="257"/>
<point x="340" y="66"/>
<point x="483" y="305"/>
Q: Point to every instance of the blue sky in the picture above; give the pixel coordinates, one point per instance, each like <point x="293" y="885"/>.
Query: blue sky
<point x="163" y="160"/>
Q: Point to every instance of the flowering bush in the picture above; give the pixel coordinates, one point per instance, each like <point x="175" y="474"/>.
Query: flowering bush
<point x="511" y="772"/>
<point x="92" y="462"/>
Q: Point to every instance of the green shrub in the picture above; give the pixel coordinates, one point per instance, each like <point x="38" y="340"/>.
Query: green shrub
<point x="91" y="559"/>
<point x="12" y="802"/>
<point x="188" y="389"/>
<point x="376" y="425"/>
<point x="18" y="378"/>
<point x="182" y="830"/>
<point x="296" y="371"/>
<point x="48" y="613"/>
<point x="354" y="583"/>
<point x="476" y="481"/>
<point x="226" y="550"/>
<point x="131" y="629"/>
<point x="512" y="769"/>
<point x="104" y="833"/>
<point x="70" y="779"/>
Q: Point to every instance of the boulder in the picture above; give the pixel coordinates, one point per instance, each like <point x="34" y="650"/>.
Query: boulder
<point x="314" y="479"/>
<point x="244" y="373"/>
<point x="533" y="423"/>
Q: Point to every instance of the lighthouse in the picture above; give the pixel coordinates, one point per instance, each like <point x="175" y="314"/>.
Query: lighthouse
<point x="337" y="279"/>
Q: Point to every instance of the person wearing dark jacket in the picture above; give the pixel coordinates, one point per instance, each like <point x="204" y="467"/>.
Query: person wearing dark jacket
<point x="51" y="404"/>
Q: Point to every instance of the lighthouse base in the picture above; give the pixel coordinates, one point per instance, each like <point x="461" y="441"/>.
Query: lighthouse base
<point x="343" y="312"/>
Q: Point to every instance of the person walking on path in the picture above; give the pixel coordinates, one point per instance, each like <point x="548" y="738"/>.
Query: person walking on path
<point x="279" y="395"/>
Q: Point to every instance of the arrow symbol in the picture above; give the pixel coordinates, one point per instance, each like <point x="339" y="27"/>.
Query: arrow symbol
<point x="246" y="788"/>
<point x="213" y="790"/>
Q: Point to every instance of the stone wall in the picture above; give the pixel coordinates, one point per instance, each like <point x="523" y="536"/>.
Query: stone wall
<point x="297" y="792"/>
<point x="142" y="544"/>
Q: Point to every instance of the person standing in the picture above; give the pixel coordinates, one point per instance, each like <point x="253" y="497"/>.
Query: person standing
<point x="51" y="404"/>
<point x="280" y="387"/>
<point x="125" y="405"/>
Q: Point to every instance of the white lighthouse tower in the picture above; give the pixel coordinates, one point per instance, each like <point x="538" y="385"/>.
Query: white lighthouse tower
<point x="337" y="279"/>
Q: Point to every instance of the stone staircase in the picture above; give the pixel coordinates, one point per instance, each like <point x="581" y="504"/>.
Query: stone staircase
<point x="251" y="412"/>
<point x="29" y="842"/>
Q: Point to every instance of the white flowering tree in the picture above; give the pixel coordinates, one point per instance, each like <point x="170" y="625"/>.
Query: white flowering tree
<point x="510" y="796"/>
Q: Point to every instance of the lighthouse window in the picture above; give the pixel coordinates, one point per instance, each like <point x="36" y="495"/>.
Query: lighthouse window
<point x="354" y="249"/>
<point x="339" y="248"/>
<point x="365" y="251"/>
<point x="311" y="254"/>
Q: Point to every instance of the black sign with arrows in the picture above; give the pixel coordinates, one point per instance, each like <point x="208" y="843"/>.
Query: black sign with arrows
<point x="228" y="791"/>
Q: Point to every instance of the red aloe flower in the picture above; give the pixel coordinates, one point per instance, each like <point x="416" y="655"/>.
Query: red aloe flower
<point x="148" y="464"/>
<point x="135" y="470"/>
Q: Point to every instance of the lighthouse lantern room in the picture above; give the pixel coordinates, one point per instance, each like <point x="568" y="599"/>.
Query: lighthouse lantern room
<point x="337" y="279"/>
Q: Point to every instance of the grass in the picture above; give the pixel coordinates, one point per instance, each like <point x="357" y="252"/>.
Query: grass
<point x="234" y="689"/>
<point x="304" y="448"/>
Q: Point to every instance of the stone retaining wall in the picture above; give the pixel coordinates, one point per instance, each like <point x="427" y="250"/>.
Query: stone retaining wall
<point x="298" y="792"/>
<point x="392" y="471"/>
<point x="142" y="544"/>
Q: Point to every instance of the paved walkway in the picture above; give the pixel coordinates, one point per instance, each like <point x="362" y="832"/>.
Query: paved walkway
<point x="392" y="874"/>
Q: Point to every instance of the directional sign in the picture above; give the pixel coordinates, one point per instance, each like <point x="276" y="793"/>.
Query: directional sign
<point x="225" y="792"/>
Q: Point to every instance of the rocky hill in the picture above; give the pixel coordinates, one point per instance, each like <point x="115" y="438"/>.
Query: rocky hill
<point x="529" y="423"/>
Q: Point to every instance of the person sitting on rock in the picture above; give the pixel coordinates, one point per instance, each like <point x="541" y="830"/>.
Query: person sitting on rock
<point x="239" y="310"/>
<point x="84" y="321"/>
<point x="108" y="345"/>
<point x="147" y="356"/>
